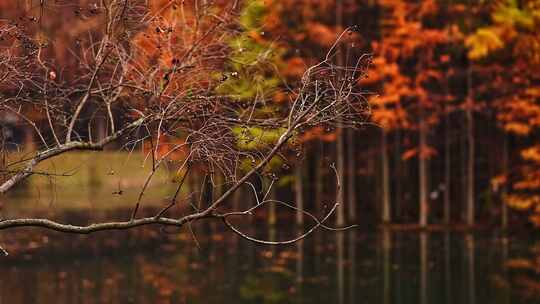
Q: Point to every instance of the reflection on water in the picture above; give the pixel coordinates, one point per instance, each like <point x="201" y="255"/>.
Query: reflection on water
<point x="352" y="267"/>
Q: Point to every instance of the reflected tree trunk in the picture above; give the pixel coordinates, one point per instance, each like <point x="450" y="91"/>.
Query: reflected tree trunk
<point x="471" y="280"/>
<point x="448" y="268"/>
<point x="318" y="243"/>
<point x="386" y="209"/>
<point x="300" y="265"/>
<point x="504" y="254"/>
<point x="397" y="286"/>
<point x="340" y="264"/>
<point x="352" y="267"/>
<point x="387" y="265"/>
<point x="424" y="261"/>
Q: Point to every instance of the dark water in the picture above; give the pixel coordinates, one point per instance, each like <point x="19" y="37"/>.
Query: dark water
<point x="351" y="267"/>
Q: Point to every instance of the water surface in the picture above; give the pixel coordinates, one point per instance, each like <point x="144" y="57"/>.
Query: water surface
<point x="351" y="267"/>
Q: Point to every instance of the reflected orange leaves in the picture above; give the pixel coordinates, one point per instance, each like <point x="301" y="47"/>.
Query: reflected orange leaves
<point x="423" y="152"/>
<point x="524" y="272"/>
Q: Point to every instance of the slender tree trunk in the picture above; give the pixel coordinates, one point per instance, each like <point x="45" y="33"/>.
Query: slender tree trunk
<point x="101" y="128"/>
<point x="386" y="211"/>
<point x="300" y="263"/>
<point x="299" y="194"/>
<point x="422" y="170"/>
<point x="470" y="170"/>
<point x="272" y="216"/>
<point x="447" y="170"/>
<point x="471" y="149"/>
<point x="29" y="143"/>
<point x="340" y="149"/>
<point x="463" y="171"/>
<point x="398" y="173"/>
<point x="504" y="207"/>
<point x="351" y="177"/>
<point x="319" y="181"/>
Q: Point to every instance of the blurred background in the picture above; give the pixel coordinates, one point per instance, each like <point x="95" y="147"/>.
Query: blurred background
<point x="444" y="180"/>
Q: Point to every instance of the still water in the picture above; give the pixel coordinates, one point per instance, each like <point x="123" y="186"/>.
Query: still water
<point x="350" y="267"/>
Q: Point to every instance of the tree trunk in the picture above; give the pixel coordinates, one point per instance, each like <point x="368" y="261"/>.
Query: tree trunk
<point x="463" y="174"/>
<point x="351" y="177"/>
<point x="340" y="211"/>
<point x="272" y="216"/>
<point x="29" y="144"/>
<point x="398" y="174"/>
<point x="319" y="181"/>
<point x="340" y="149"/>
<point x="299" y="194"/>
<point x="504" y="207"/>
<point x="470" y="169"/>
<point x="470" y="150"/>
<point x="447" y="170"/>
<point x="422" y="171"/>
<point x="386" y="211"/>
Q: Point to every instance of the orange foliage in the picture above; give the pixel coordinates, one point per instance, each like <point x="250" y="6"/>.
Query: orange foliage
<point x="182" y="47"/>
<point x="318" y="133"/>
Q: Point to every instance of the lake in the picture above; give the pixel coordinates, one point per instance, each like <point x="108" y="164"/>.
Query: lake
<point x="350" y="267"/>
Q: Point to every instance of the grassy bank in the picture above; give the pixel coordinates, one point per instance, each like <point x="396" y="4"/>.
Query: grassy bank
<point x="96" y="181"/>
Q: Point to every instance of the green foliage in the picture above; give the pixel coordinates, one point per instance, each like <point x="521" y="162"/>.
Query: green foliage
<point x="253" y="138"/>
<point x="250" y="69"/>
<point x="253" y="14"/>
<point x="250" y="76"/>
